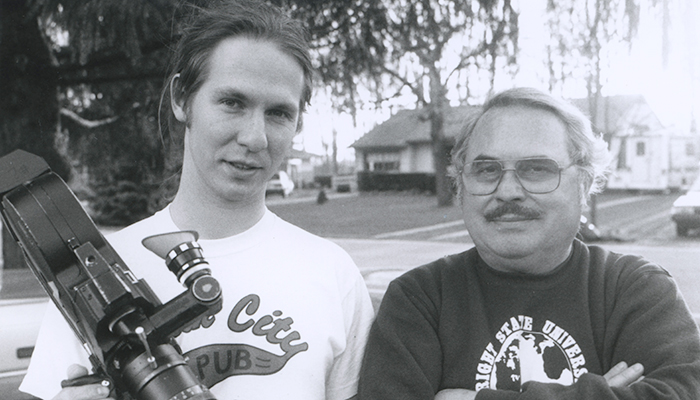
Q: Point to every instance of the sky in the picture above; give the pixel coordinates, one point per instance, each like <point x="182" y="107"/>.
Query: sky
<point x="671" y="91"/>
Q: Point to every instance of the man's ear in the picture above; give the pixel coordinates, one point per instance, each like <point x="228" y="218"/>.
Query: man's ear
<point x="177" y="103"/>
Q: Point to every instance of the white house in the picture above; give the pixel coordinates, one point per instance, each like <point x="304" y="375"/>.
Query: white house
<point x="402" y="143"/>
<point x="648" y="155"/>
<point x="299" y="165"/>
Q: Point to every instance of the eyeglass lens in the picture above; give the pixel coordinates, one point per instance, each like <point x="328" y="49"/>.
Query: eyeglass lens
<point x="536" y="175"/>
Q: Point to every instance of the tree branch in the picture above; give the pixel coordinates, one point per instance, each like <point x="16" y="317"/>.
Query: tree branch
<point x="86" y="122"/>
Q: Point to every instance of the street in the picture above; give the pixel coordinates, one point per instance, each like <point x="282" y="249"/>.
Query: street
<point x="642" y="223"/>
<point x="382" y="261"/>
<point x="643" y="218"/>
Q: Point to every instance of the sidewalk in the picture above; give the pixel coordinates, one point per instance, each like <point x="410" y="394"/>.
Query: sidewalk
<point x="380" y="261"/>
<point x="306" y="196"/>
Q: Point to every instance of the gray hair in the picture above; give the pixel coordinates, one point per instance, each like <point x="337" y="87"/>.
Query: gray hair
<point x="588" y="152"/>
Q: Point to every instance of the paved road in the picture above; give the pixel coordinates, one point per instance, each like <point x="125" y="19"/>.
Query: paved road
<point x="643" y="220"/>
<point x="380" y="261"/>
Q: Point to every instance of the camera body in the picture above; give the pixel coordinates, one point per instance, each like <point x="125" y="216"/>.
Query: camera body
<point x="126" y="330"/>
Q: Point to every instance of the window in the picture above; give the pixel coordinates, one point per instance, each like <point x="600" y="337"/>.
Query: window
<point x="641" y="148"/>
<point x="622" y="154"/>
<point x="386" y="166"/>
<point x="384" y="162"/>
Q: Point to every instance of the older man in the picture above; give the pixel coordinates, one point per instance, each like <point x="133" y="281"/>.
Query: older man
<point x="531" y="312"/>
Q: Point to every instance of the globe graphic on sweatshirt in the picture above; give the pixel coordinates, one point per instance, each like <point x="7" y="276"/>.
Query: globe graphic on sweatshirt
<point x="530" y="356"/>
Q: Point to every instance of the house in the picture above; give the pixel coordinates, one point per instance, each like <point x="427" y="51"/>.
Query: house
<point x="402" y="144"/>
<point x="300" y="165"/>
<point x="647" y="154"/>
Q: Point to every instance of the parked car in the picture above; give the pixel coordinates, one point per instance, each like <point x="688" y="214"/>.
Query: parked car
<point x="280" y="183"/>
<point x="686" y="210"/>
<point x="22" y="305"/>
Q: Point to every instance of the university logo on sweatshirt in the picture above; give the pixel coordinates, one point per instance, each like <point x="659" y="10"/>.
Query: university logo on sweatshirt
<point x="526" y="350"/>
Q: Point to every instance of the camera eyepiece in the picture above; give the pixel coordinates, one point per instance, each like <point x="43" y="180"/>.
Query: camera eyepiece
<point x="182" y="254"/>
<point x="185" y="261"/>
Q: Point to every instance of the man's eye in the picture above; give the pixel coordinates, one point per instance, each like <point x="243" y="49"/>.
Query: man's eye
<point x="532" y="169"/>
<point x="231" y="102"/>
<point x="538" y="168"/>
<point x="281" y="114"/>
<point x="486" y="168"/>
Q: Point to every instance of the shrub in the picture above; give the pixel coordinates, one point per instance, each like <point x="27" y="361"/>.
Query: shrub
<point x="382" y="181"/>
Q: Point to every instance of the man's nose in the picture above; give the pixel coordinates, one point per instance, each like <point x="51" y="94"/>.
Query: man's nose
<point x="251" y="132"/>
<point x="509" y="187"/>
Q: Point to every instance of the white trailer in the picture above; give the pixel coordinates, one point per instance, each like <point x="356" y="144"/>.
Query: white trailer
<point x="657" y="161"/>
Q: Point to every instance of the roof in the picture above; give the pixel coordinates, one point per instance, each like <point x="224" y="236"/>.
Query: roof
<point x="301" y="154"/>
<point x="617" y="113"/>
<point x="412" y="126"/>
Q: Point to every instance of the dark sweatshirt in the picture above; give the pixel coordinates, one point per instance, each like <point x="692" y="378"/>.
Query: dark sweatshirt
<point x="457" y="323"/>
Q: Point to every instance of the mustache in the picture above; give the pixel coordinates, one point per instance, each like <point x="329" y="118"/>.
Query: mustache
<point x="512" y="208"/>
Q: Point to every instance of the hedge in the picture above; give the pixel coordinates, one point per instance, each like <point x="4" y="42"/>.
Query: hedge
<point x="381" y="181"/>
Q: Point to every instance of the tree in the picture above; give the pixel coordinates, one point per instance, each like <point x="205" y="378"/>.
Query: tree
<point x="425" y="30"/>
<point x="394" y="46"/>
<point x="585" y="37"/>
<point x="346" y="39"/>
<point x="399" y="47"/>
<point x="58" y="61"/>
<point x="111" y="58"/>
<point x="28" y="106"/>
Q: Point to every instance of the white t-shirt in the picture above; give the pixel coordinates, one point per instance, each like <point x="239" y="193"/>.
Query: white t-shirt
<point x="295" y="317"/>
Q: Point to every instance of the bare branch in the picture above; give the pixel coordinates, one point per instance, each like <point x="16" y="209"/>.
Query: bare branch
<point x="86" y="122"/>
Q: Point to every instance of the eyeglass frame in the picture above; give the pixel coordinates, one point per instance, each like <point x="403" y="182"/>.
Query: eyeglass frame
<point x="515" y="173"/>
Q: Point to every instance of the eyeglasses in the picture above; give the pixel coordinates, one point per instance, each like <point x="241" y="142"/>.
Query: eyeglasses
<point x="535" y="175"/>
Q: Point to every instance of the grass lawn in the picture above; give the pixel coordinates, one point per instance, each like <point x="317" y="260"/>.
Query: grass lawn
<point x="367" y="214"/>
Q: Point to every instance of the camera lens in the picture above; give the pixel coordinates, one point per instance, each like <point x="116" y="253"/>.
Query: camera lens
<point x="170" y="379"/>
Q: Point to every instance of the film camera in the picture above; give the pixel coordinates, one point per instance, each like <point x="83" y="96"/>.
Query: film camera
<point x="122" y="324"/>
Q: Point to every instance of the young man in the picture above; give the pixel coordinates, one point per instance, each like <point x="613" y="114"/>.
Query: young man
<point x="531" y="312"/>
<point x="296" y="311"/>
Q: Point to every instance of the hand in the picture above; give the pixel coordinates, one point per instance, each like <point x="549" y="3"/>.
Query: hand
<point x="455" y="394"/>
<point x="622" y="375"/>
<point x="85" y="392"/>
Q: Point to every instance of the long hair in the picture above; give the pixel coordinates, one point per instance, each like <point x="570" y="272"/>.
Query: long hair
<point x="207" y="27"/>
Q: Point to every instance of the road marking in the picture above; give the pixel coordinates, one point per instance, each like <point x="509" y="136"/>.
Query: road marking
<point x="453" y="235"/>
<point x="464" y="233"/>
<point x="10" y="374"/>
<point x="419" y="230"/>
<point x="648" y="220"/>
<point x="630" y="227"/>
<point x="626" y="200"/>
<point x="278" y="200"/>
